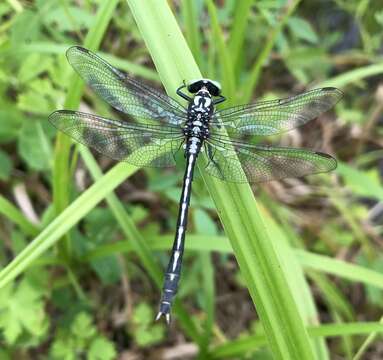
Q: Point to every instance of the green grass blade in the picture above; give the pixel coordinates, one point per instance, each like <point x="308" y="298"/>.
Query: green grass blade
<point x="360" y="182"/>
<point x="134" y="237"/>
<point x="369" y="340"/>
<point x="227" y="70"/>
<point x="335" y="299"/>
<point x="221" y="244"/>
<point x="250" y="343"/>
<point x="65" y="221"/>
<point x="61" y="173"/>
<point x="193" y="33"/>
<point x="263" y="56"/>
<point x="235" y="203"/>
<point x="209" y="296"/>
<point x="14" y="214"/>
<point x="238" y="32"/>
<point x="60" y="49"/>
<point x="340" y="268"/>
<point x="353" y="76"/>
<point x="297" y="282"/>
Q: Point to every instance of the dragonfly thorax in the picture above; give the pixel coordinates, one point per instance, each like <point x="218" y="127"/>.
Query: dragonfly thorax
<point x="201" y="104"/>
<point x="197" y="126"/>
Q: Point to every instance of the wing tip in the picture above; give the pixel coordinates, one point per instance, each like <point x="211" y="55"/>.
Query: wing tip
<point x="77" y="48"/>
<point x="71" y="52"/>
<point x="334" y="163"/>
<point x="338" y="92"/>
<point x="54" y="117"/>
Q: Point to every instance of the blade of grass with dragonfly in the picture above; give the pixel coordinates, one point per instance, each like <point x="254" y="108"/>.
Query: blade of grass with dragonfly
<point x="237" y="208"/>
<point x="295" y="275"/>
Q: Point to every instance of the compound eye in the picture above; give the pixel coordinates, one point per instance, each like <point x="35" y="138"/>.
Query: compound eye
<point x="213" y="90"/>
<point x="195" y="86"/>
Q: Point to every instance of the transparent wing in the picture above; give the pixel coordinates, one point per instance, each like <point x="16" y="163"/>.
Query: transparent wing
<point x="140" y="145"/>
<point x="276" y="116"/>
<point x="239" y="162"/>
<point x="122" y="92"/>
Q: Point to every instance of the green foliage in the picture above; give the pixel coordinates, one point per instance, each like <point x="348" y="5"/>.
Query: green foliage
<point x="23" y="318"/>
<point x="145" y="333"/>
<point x="82" y="339"/>
<point x="362" y="183"/>
<point x="5" y="166"/>
<point x="34" y="147"/>
<point x="86" y="275"/>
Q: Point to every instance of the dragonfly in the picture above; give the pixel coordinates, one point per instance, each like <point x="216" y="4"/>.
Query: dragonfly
<point x="156" y="127"/>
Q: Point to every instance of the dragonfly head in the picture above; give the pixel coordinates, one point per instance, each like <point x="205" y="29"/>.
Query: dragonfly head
<point x="213" y="87"/>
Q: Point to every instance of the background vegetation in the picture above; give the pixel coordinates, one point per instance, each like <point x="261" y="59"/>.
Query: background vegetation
<point x="94" y="293"/>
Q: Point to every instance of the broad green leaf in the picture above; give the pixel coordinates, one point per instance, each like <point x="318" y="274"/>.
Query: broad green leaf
<point x="22" y="310"/>
<point x="34" y="146"/>
<point x="33" y="102"/>
<point x="360" y="182"/>
<point x="82" y="326"/>
<point x="302" y="29"/>
<point x="5" y="166"/>
<point x="26" y="27"/>
<point x="58" y="17"/>
<point x="143" y="314"/>
<point x="33" y="65"/>
<point x="10" y="122"/>
<point x="63" y="348"/>
<point x="101" y="349"/>
<point x="145" y="332"/>
<point x="149" y="336"/>
<point x="107" y="269"/>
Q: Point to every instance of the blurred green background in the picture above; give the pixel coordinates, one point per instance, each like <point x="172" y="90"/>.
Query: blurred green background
<point x="90" y="296"/>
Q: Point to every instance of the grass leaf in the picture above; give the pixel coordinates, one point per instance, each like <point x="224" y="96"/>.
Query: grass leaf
<point x="235" y="203"/>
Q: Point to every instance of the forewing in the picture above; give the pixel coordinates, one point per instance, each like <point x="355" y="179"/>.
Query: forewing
<point x="276" y="116"/>
<point x="140" y="145"/>
<point x="252" y="163"/>
<point x="122" y="92"/>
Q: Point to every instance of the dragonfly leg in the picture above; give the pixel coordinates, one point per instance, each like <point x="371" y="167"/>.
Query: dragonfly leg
<point x="219" y="100"/>
<point x="183" y="95"/>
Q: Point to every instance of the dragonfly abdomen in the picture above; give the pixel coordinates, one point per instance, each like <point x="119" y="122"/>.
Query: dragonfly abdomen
<point x="173" y="272"/>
